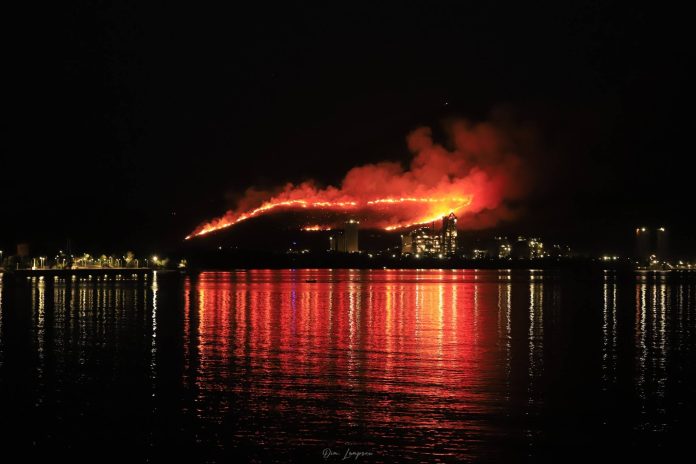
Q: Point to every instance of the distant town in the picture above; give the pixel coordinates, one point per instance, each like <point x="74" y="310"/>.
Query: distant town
<point x="439" y="240"/>
<point x="434" y="244"/>
<point x="23" y="260"/>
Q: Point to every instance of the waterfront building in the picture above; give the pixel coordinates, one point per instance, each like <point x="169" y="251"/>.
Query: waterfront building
<point x="350" y="233"/>
<point x="643" y="248"/>
<point x="662" y="244"/>
<point x="421" y="241"/>
<point x="346" y="240"/>
<point x="448" y="237"/>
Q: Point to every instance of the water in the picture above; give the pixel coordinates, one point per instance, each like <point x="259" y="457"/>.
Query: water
<point x="308" y="365"/>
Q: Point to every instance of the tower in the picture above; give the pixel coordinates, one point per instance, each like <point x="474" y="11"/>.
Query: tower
<point x="406" y="244"/>
<point x="662" y="244"/>
<point x="643" y="243"/>
<point x="425" y="242"/>
<point x="449" y="234"/>
<point x="350" y="233"/>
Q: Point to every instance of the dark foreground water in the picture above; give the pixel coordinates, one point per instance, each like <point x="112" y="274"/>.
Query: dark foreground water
<point x="308" y="365"/>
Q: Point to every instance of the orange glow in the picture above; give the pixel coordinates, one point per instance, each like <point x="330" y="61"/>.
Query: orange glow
<point x="224" y="222"/>
<point x="419" y="200"/>
<point x="405" y="332"/>
<point x="444" y="212"/>
<point x="474" y="175"/>
<point x="429" y="209"/>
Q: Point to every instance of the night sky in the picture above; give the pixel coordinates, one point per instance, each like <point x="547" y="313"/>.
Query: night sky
<point x="130" y="124"/>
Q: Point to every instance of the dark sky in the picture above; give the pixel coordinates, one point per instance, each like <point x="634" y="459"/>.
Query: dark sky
<point x="129" y="124"/>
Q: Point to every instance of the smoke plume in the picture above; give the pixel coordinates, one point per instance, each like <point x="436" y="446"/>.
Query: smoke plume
<point x="477" y="173"/>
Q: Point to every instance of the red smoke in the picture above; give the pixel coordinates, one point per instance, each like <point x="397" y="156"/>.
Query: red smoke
<point x="474" y="178"/>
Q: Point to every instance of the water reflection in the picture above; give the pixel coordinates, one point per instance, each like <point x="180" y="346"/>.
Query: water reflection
<point x="505" y="328"/>
<point x="609" y="332"/>
<point x="536" y="330"/>
<point x="1" y="319"/>
<point x="417" y="344"/>
<point x="411" y="365"/>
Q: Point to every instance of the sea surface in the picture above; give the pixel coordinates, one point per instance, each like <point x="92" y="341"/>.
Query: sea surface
<point x="349" y="366"/>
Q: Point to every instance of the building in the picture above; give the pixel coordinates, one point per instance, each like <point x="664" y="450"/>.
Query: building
<point x="423" y="241"/>
<point x="346" y="240"/>
<point x="499" y="248"/>
<point x="406" y="244"/>
<point x="662" y="244"/>
<point x="643" y="248"/>
<point x="350" y="232"/>
<point x="651" y="247"/>
<point x="527" y="248"/>
<point x="536" y="248"/>
<point x="504" y="247"/>
<point x="480" y="253"/>
<point x="426" y="241"/>
<point x="448" y="238"/>
<point x="337" y="242"/>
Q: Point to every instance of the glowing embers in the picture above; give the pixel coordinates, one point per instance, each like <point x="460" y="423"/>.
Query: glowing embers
<point x="441" y="206"/>
<point x="315" y="228"/>
<point x="227" y="221"/>
<point x="471" y="174"/>
<point x="419" y="210"/>
<point x="466" y="199"/>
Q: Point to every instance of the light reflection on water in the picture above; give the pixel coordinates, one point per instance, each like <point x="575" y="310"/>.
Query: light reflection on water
<point x="410" y="365"/>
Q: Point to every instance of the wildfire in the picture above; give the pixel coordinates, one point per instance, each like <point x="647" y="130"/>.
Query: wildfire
<point x="224" y="222"/>
<point x="444" y="206"/>
<point x="418" y="200"/>
<point x="424" y="221"/>
<point x="474" y="175"/>
<point x="454" y="204"/>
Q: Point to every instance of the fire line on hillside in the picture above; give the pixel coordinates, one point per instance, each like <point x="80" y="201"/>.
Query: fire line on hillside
<point x="474" y="179"/>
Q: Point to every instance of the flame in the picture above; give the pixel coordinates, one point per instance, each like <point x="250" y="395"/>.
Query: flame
<point x="427" y="220"/>
<point x="445" y="206"/>
<point x="418" y="200"/>
<point x="223" y="223"/>
<point x="478" y="175"/>
<point x="314" y="228"/>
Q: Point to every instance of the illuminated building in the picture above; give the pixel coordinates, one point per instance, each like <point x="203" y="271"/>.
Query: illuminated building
<point x="652" y="248"/>
<point x="350" y="232"/>
<point x="477" y="253"/>
<point x="500" y="248"/>
<point x="346" y="240"/>
<point x="527" y="248"/>
<point x="449" y="234"/>
<point x="337" y="242"/>
<point x="421" y="241"/>
<point x="536" y="248"/>
<point x="662" y="244"/>
<point x="426" y="241"/>
<point x="643" y="243"/>
<point x="406" y="244"/>
<point x="504" y="251"/>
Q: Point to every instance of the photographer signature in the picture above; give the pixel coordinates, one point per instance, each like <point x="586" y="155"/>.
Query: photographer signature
<point x="348" y="454"/>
